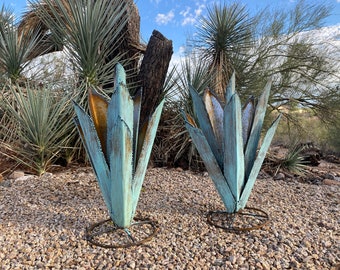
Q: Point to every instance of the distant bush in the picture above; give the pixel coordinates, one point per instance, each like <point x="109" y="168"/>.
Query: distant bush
<point x="37" y="125"/>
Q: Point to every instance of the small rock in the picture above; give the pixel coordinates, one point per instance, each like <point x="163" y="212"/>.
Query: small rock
<point x="16" y="174"/>
<point x="131" y="264"/>
<point x="218" y="262"/>
<point x="265" y="265"/>
<point x="232" y="259"/>
<point x="179" y="169"/>
<point x="330" y="182"/>
<point x="279" y="176"/>
<point x="330" y="176"/>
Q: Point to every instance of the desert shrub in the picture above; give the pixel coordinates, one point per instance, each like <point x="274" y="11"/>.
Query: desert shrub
<point x="37" y="126"/>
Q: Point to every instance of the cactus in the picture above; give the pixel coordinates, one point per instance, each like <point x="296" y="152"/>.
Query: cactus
<point x="118" y="148"/>
<point x="227" y="139"/>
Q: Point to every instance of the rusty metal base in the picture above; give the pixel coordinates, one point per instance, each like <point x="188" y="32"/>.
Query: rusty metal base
<point x="107" y="235"/>
<point x="246" y="219"/>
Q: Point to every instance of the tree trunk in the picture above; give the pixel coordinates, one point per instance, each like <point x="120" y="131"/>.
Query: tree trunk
<point x="153" y="72"/>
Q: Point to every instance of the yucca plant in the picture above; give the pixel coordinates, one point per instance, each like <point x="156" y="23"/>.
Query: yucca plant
<point x="119" y="149"/>
<point x="38" y="127"/>
<point x="174" y="142"/>
<point x="14" y="47"/>
<point x="90" y="32"/>
<point x="227" y="139"/>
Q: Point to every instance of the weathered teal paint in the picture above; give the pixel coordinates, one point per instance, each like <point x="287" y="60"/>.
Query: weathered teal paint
<point x="145" y="153"/>
<point x="233" y="146"/>
<point x="255" y="133"/>
<point x="120" y="171"/>
<point x="205" y="125"/>
<point x="212" y="166"/>
<point x="234" y="166"/>
<point x="257" y="164"/>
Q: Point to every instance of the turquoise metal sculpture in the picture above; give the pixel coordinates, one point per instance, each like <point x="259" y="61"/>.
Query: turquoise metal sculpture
<point x="118" y="148"/>
<point x="227" y="140"/>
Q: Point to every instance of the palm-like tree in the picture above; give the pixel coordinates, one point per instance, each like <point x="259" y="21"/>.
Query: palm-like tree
<point x="222" y="38"/>
<point x="95" y="34"/>
<point x="14" y="47"/>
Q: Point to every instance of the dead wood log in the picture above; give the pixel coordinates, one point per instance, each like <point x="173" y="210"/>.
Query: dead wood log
<point x="153" y="72"/>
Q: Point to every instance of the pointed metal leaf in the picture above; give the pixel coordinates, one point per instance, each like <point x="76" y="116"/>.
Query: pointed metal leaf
<point x="98" y="109"/>
<point x="120" y="107"/>
<point x="254" y="137"/>
<point x="120" y="158"/>
<point x="258" y="163"/>
<point x="93" y="148"/>
<point x="230" y="91"/>
<point x="215" y="113"/>
<point x="137" y="101"/>
<point x="212" y="166"/>
<point x="143" y="160"/>
<point x="233" y="146"/>
<point x="248" y="112"/>
<point x="205" y="125"/>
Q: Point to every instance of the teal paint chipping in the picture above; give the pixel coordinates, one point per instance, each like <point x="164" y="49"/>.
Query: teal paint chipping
<point x="121" y="168"/>
<point x="231" y="158"/>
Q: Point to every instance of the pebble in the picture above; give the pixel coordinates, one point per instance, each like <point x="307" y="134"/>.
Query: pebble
<point x="279" y="176"/>
<point x="16" y="175"/>
<point x="43" y="223"/>
<point x="330" y="182"/>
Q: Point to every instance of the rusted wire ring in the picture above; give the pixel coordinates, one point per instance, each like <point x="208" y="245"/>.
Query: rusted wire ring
<point x="89" y="236"/>
<point x="263" y="217"/>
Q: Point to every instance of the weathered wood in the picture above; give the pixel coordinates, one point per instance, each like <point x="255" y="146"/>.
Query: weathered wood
<point x="153" y="72"/>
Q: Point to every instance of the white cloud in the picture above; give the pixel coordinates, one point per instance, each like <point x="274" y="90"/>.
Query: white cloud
<point x="165" y="18"/>
<point x="190" y="17"/>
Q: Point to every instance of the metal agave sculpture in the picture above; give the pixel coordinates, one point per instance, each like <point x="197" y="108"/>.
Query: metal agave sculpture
<point x="118" y="148"/>
<point x="227" y="140"/>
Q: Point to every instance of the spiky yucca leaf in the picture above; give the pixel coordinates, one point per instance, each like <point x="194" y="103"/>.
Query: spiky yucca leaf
<point x="42" y="126"/>
<point x="90" y="31"/>
<point x="14" y="47"/>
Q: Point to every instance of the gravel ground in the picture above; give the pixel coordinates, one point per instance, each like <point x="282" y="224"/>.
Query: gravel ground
<point x="43" y="222"/>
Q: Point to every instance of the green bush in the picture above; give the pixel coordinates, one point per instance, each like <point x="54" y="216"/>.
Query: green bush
<point x="37" y="125"/>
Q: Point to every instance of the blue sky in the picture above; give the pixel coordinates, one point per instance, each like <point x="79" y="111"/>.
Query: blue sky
<point x="176" y="19"/>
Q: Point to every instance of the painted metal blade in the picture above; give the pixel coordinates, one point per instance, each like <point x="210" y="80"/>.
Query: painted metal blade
<point x="205" y="125"/>
<point x="215" y="113"/>
<point x="233" y="146"/>
<point x="230" y="91"/>
<point x="93" y="148"/>
<point x="258" y="163"/>
<point x="143" y="160"/>
<point x="119" y="148"/>
<point x="98" y="109"/>
<point x="255" y="134"/>
<point x="137" y="101"/>
<point x="248" y="112"/>
<point x="212" y="166"/>
<point x="120" y="158"/>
